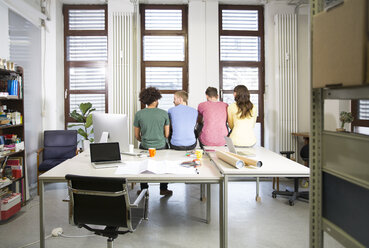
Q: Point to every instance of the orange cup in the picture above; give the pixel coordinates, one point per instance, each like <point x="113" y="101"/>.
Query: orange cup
<point x="152" y="152"/>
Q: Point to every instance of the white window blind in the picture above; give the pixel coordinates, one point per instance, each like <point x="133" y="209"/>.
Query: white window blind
<point x="97" y="100"/>
<point x="240" y="20"/>
<point x="363" y="112"/>
<point x="233" y="76"/>
<point x="239" y="48"/>
<point x="163" y="19"/>
<point x="164" y="48"/>
<point x="164" y="78"/>
<point x="86" y="19"/>
<point x="87" y="78"/>
<point x="87" y="48"/>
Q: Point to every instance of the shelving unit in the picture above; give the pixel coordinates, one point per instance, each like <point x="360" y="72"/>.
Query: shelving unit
<point x="339" y="171"/>
<point x="14" y="103"/>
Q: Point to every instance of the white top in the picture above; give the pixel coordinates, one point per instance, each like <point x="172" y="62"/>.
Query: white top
<point x="274" y="165"/>
<point x="81" y="165"/>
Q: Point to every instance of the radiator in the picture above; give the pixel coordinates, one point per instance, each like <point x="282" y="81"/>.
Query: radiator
<point x="286" y="79"/>
<point x="121" y="73"/>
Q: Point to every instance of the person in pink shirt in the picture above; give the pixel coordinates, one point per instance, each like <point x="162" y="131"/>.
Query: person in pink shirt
<point x="213" y="116"/>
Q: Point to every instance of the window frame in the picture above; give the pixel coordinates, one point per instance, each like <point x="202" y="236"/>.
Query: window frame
<point x="258" y="64"/>
<point x="183" y="32"/>
<point x="355" y="112"/>
<point x="92" y="64"/>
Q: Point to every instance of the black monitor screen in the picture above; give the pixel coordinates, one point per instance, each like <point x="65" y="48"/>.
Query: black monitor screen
<point x="104" y="152"/>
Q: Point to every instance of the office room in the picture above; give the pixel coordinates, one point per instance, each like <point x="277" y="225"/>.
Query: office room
<point x="304" y="65"/>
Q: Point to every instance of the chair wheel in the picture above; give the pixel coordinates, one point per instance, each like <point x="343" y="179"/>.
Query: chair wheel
<point x="291" y="203"/>
<point x="274" y="195"/>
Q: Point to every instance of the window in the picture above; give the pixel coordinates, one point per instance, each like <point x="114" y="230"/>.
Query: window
<point x="360" y="111"/>
<point x="86" y="57"/>
<point x="241" y="60"/>
<point x="164" y="62"/>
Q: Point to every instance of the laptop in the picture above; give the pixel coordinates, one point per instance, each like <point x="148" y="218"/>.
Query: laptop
<point x="232" y="148"/>
<point x="105" y="155"/>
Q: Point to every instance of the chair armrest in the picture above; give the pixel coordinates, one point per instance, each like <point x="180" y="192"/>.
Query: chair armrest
<point x="38" y="155"/>
<point x="138" y="199"/>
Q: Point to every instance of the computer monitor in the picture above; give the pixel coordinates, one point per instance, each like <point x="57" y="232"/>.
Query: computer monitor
<point x="111" y="128"/>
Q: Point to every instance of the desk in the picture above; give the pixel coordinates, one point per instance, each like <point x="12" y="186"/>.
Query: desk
<point x="80" y="165"/>
<point x="274" y="165"/>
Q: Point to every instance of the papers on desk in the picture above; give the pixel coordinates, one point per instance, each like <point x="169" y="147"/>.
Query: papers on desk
<point x="153" y="166"/>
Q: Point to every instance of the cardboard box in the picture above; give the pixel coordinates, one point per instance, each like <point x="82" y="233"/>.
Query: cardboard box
<point x="340" y="45"/>
<point x="10" y="205"/>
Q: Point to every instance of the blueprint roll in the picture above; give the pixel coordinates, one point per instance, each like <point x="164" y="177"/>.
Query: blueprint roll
<point x="230" y="159"/>
<point x="247" y="161"/>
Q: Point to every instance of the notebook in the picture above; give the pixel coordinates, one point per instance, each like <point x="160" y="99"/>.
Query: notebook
<point x="105" y="155"/>
<point x="232" y="148"/>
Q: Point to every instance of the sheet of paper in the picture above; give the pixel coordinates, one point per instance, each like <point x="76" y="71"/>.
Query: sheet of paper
<point x="153" y="166"/>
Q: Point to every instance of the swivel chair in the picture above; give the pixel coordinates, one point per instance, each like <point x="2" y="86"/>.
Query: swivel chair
<point x="59" y="145"/>
<point x="293" y="195"/>
<point x="105" y="201"/>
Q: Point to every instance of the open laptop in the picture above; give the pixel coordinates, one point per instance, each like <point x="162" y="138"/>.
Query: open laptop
<point x="105" y="155"/>
<point x="232" y="148"/>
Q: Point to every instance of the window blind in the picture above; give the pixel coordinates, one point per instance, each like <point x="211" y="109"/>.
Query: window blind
<point x="163" y="19"/>
<point x="84" y="19"/>
<point x="87" y="48"/>
<point x="240" y="20"/>
<point x="164" y="48"/>
<point x="363" y="112"/>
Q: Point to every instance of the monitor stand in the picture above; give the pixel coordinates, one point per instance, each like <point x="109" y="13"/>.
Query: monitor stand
<point x="104" y="137"/>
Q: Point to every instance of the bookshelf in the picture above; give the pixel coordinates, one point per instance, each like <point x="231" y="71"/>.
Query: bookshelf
<point x="12" y="136"/>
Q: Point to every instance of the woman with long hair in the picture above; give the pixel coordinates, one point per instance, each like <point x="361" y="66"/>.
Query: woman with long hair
<point x="242" y="118"/>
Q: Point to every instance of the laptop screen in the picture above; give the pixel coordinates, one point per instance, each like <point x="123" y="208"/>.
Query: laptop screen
<point x="101" y="152"/>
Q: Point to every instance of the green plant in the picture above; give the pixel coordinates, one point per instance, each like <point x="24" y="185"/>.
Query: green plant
<point x="346" y="117"/>
<point x="84" y="119"/>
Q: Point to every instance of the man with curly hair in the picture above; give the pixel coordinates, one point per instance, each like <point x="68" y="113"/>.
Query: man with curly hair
<point x="152" y="127"/>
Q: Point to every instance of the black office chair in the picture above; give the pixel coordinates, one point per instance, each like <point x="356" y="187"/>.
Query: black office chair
<point x="105" y="201"/>
<point x="293" y="195"/>
<point x="59" y="145"/>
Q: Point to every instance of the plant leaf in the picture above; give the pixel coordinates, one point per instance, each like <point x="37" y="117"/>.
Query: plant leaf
<point x="90" y="110"/>
<point x="88" y="121"/>
<point x="81" y="132"/>
<point x="84" y="107"/>
<point x="77" y="116"/>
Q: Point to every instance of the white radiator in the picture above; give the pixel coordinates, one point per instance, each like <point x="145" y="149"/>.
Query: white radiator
<point x="286" y="79"/>
<point x="121" y="94"/>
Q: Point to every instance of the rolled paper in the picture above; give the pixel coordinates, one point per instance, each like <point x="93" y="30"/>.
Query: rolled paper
<point x="247" y="161"/>
<point x="230" y="159"/>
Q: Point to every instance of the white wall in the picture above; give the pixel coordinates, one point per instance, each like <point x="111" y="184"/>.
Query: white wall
<point x="4" y="31"/>
<point x="53" y="37"/>
<point x="203" y="61"/>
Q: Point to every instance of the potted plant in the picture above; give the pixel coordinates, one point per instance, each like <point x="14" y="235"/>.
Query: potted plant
<point x="84" y="119"/>
<point x="345" y="117"/>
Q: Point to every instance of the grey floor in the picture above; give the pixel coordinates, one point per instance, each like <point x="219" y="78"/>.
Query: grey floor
<point x="175" y="221"/>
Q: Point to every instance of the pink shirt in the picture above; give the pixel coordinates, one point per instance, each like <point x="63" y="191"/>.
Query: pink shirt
<point x="214" y="118"/>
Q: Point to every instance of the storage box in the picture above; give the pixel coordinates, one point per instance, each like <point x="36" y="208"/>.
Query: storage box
<point x="10" y="205"/>
<point x="340" y="45"/>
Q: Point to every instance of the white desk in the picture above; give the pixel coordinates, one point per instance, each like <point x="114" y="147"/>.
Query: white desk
<point x="274" y="165"/>
<point x="80" y="165"/>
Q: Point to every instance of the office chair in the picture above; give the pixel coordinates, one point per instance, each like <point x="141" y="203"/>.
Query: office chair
<point x="59" y="145"/>
<point x="105" y="201"/>
<point x="293" y="195"/>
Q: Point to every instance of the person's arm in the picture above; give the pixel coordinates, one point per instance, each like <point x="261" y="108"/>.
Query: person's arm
<point x="230" y="117"/>
<point x="166" y="131"/>
<point x="138" y="133"/>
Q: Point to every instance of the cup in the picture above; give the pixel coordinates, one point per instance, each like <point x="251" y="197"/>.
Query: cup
<point x="130" y="148"/>
<point x="198" y="153"/>
<point x="152" y="152"/>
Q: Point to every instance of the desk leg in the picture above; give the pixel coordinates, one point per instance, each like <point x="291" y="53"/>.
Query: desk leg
<point x="42" y="217"/>
<point x="257" y="198"/>
<point x="208" y="203"/>
<point x="223" y="212"/>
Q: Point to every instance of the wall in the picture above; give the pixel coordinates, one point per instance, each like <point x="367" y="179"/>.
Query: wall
<point x="25" y="50"/>
<point x="203" y="61"/>
<point x="4" y="31"/>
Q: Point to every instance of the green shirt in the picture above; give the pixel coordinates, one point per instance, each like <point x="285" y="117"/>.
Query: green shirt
<point x="151" y="122"/>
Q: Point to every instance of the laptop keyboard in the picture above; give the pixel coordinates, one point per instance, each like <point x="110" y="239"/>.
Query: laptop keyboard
<point x="108" y="162"/>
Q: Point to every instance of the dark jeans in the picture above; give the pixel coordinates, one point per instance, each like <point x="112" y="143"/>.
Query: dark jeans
<point x="163" y="186"/>
<point x="183" y="148"/>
